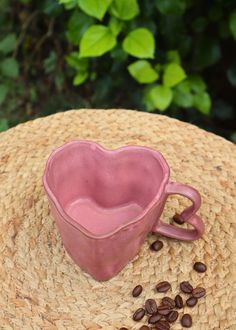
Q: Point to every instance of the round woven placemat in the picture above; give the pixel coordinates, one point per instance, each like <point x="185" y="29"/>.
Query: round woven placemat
<point x="40" y="286"/>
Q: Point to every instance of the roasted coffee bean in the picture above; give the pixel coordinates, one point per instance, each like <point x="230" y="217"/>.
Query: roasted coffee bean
<point x="154" y="318"/>
<point x="191" y="302"/>
<point x="150" y="306"/>
<point x="163" y="310"/>
<point x="179" y="301"/>
<point x="172" y="317"/>
<point x="177" y="218"/>
<point x="137" y="291"/>
<point x="163" y="286"/>
<point x="169" y="302"/>
<point x="144" y="327"/>
<point x="200" y="267"/>
<point x="156" y="246"/>
<point x="186" y="321"/>
<point x="139" y="314"/>
<point x="162" y="325"/>
<point x="198" y="292"/>
<point x="186" y="287"/>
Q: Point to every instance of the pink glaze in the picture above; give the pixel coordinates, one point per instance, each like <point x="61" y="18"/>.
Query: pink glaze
<point x="106" y="201"/>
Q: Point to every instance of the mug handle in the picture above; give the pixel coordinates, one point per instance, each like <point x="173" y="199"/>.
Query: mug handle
<point x="188" y="215"/>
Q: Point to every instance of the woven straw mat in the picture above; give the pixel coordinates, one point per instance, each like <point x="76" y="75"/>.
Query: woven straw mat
<point x="42" y="288"/>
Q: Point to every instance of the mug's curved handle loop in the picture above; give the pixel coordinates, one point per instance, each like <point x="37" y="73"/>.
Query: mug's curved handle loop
<point x="188" y="215"/>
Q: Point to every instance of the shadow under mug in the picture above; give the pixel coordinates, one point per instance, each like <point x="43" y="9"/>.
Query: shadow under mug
<point x="105" y="202"/>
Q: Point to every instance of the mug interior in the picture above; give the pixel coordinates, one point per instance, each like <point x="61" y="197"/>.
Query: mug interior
<point x="100" y="189"/>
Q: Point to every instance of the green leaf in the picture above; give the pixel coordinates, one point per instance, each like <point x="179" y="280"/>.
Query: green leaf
<point x="115" y="26"/>
<point x="8" y="44"/>
<point x="50" y="62"/>
<point x="125" y="9"/>
<point x="207" y="52"/>
<point x="197" y="84"/>
<point x="95" y="8"/>
<point x="3" y="124"/>
<point x="232" y="23"/>
<point x="167" y="7"/>
<point x="96" y="41"/>
<point x="199" y="24"/>
<point x="77" y="25"/>
<point x="173" y="74"/>
<point x="3" y="93"/>
<point x="143" y="72"/>
<point x="139" y="43"/>
<point x="69" y="4"/>
<point x="10" y="68"/>
<point x="161" y="97"/>
<point x="173" y="56"/>
<point x="202" y="102"/>
<point x="231" y="74"/>
<point x="80" y="78"/>
<point x="182" y="95"/>
<point x="74" y="60"/>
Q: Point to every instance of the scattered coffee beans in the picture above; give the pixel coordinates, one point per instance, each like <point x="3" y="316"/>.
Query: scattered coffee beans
<point x="144" y="327"/>
<point x="162" y="325"/>
<point x="191" y="302"/>
<point x="163" y="315"/>
<point x="163" y="310"/>
<point x="200" y="267"/>
<point x="139" y="314"/>
<point x="154" y="318"/>
<point x="198" y="292"/>
<point x="186" y="321"/>
<point x="150" y="306"/>
<point x="179" y="301"/>
<point x="137" y="291"/>
<point x="163" y="286"/>
<point x="172" y="317"/>
<point x="186" y="287"/>
<point x="156" y="246"/>
<point x="168" y="302"/>
<point x="177" y="219"/>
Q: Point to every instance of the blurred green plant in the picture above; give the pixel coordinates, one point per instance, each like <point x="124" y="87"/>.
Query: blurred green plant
<point x="129" y="34"/>
<point x="172" y="56"/>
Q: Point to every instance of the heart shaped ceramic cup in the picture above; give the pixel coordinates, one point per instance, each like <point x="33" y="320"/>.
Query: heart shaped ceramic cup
<point x="105" y="202"/>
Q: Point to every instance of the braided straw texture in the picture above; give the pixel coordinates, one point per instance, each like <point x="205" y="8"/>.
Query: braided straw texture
<point x="40" y="286"/>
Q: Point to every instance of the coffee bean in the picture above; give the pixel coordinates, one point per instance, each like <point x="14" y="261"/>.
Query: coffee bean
<point x="162" y="325"/>
<point x="177" y="218"/>
<point x="172" y="317"/>
<point x="139" y="314"/>
<point x="186" y="287"/>
<point x="154" y="318"/>
<point x="198" y="292"/>
<point x="163" y="286"/>
<point x="179" y="301"/>
<point x="169" y="302"/>
<point x="191" y="302"/>
<point x="163" y="310"/>
<point x="137" y="291"/>
<point x="200" y="267"/>
<point x="156" y="246"/>
<point x="144" y="327"/>
<point x="150" y="306"/>
<point x="186" y="321"/>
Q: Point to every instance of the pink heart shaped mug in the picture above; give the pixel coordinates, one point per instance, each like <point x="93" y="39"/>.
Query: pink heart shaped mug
<point x="105" y="202"/>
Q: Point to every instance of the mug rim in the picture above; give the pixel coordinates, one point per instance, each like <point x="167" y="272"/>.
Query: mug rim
<point x="78" y="226"/>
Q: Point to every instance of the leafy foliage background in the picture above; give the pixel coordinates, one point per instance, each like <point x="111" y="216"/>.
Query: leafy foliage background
<point x="175" y="57"/>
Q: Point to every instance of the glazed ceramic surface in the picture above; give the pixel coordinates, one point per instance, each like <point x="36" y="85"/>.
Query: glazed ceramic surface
<point x="105" y="202"/>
